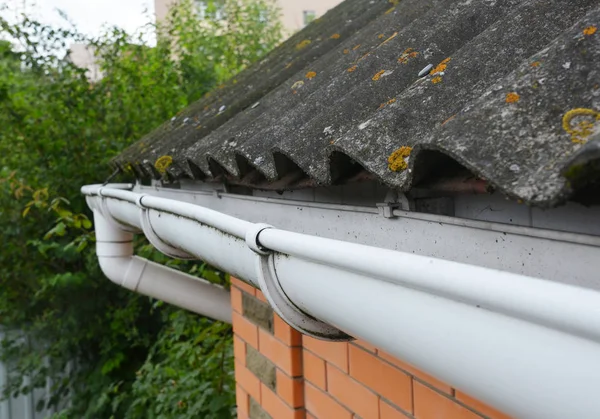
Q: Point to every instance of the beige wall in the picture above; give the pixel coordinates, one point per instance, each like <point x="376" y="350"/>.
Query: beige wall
<point x="292" y="11"/>
<point x="83" y="57"/>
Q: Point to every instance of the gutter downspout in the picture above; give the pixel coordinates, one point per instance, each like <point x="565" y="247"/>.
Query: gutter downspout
<point x="114" y="248"/>
<point x="528" y="347"/>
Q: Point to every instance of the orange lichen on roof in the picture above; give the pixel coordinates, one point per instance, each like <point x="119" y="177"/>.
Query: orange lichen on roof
<point x="441" y="67"/>
<point x="335" y="36"/>
<point x="352" y="69"/>
<point x="396" y="160"/>
<point x="512" y="97"/>
<point x="311" y="75"/>
<point x="436" y="80"/>
<point x="389" y="102"/>
<point x="536" y="64"/>
<point x="303" y="44"/>
<point x="163" y="163"/>
<point x="377" y="76"/>
<point x="380" y="36"/>
<point x="407" y="55"/>
<point x="590" y="30"/>
<point x="346" y="51"/>
<point x="584" y="128"/>
<point x="356" y="47"/>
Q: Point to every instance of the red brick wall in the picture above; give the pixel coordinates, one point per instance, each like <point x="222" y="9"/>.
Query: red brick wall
<point x="282" y="374"/>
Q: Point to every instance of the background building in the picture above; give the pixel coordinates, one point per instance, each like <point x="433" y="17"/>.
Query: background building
<point x="295" y="14"/>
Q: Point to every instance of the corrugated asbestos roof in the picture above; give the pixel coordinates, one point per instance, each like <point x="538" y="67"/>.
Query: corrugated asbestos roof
<point x="513" y="96"/>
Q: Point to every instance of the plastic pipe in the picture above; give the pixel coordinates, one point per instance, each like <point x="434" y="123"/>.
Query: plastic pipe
<point x="114" y="248"/>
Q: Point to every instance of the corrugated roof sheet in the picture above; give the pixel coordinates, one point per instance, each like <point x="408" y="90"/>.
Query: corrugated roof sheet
<point x="513" y="96"/>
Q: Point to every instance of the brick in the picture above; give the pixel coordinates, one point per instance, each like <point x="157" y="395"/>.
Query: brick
<point x="245" y="329"/>
<point x="314" y="370"/>
<point x="256" y="411"/>
<point x="335" y="353"/>
<point x="259" y="313"/>
<point x="239" y="350"/>
<point x="420" y="375"/>
<point x="323" y="406"/>
<point x="275" y="407"/>
<point x="381" y="377"/>
<point x="236" y="299"/>
<point x="289" y="360"/>
<point x="247" y="380"/>
<point x="261" y="296"/>
<point x="429" y="404"/>
<point x="352" y="394"/>
<point x="481" y="407"/>
<point x="365" y="345"/>
<point x="262" y="367"/>
<point x="241" y="399"/>
<point x="387" y="411"/>
<point x="243" y="286"/>
<point x="290" y="390"/>
<point x="285" y="333"/>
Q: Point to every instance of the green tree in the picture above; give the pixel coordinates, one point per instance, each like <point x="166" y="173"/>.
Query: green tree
<point x="112" y="352"/>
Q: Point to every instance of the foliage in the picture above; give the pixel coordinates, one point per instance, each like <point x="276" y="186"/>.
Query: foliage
<point x="112" y="352"/>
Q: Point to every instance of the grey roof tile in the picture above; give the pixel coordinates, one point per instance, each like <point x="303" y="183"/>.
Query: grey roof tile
<point x="513" y="97"/>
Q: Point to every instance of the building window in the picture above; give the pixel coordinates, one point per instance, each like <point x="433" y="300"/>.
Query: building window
<point x="309" y="16"/>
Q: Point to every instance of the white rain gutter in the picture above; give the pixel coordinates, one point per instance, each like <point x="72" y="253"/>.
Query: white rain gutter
<point x="114" y="248"/>
<point x="529" y="347"/>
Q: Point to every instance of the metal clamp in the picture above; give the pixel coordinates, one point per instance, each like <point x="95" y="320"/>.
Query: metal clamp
<point x="395" y="200"/>
<point x="153" y="238"/>
<point x="275" y="295"/>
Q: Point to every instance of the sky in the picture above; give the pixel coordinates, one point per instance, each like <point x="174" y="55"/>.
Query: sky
<point x="90" y="15"/>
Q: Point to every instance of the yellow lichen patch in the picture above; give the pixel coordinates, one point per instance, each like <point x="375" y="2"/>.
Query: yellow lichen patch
<point x="436" y="80"/>
<point x="356" y="47"/>
<point x="407" y="55"/>
<point x="163" y="163"/>
<point x="335" y="36"/>
<point x="512" y="97"/>
<point x="380" y="36"/>
<point x="441" y="67"/>
<point x="389" y="102"/>
<point x="288" y="66"/>
<point x="590" y="30"/>
<point x="311" y="75"/>
<point x="346" y="51"/>
<point x="581" y="130"/>
<point x="536" y="64"/>
<point x="352" y="69"/>
<point x="303" y="44"/>
<point x="377" y="76"/>
<point x="397" y="160"/>
<point x="297" y="85"/>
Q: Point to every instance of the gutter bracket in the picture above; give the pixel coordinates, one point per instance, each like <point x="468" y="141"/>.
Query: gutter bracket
<point x="153" y="238"/>
<point x="282" y="305"/>
<point x="109" y="218"/>
<point x="395" y="200"/>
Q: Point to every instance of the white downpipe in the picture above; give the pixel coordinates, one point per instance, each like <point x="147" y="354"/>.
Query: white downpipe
<point x="528" y="347"/>
<point x="114" y="248"/>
